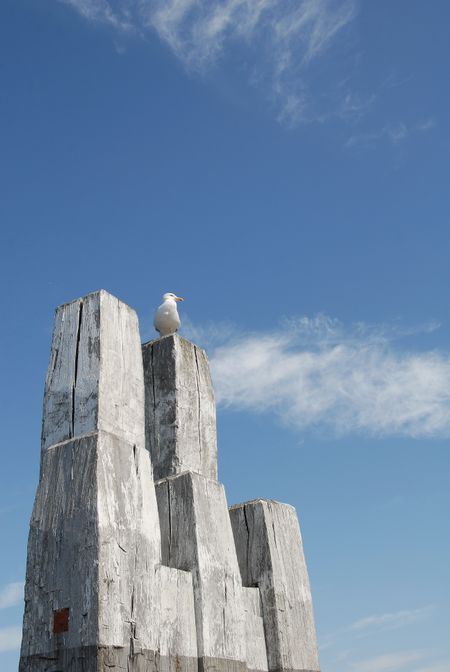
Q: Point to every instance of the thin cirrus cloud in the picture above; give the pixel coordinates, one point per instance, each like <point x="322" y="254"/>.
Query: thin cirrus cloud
<point x="371" y="626"/>
<point x="392" y="621"/>
<point x="389" y="662"/>
<point x="11" y="594"/>
<point x="279" y="39"/>
<point x="393" y="133"/>
<point x="314" y="374"/>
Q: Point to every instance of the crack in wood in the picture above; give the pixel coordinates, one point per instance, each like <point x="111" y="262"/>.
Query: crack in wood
<point x="169" y="509"/>
<point x="199" y="424"/>
<point x="136" y="463"/>
<point x="155" y="441"/>
<point x="247" y="559"/>
<point x="75" y="375"/>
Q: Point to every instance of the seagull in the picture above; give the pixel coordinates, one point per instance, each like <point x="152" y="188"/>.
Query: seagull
<point x="166" y="320"/>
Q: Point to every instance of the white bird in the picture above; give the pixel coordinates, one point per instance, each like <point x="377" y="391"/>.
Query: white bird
<point x="166" y="320"/>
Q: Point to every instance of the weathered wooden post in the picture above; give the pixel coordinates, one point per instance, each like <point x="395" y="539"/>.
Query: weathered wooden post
<point x="90" y="596"/>
<point x="270" y="553"/>
<point x="125" y="573"/>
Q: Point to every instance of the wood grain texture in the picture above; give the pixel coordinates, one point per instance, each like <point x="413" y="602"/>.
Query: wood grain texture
<point x="256" y="652"/>
<point x="95" y="375"/>
<point x="129" y="545"/>
<point x="196" y="536"/>
<point x="270" y="553"/>
<point x="177" y="631"/>
<point x="94" y="543"/>
<point x="179" y="407"/>
<point x="57" y="422"/>
<point x="62" y="564"/>
<point x="121" y="407"/>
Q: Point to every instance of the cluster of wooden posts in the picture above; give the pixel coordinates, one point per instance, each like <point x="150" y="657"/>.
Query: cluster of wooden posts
<point x="135" y="561"/>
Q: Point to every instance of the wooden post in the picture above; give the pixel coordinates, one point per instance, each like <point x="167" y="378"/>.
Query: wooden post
<point x="94" y="544"/>
<point x="179" y="408"/>
<point x="270" y="553"/>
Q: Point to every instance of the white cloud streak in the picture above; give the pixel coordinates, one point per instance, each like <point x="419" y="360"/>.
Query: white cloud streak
<point x="392" y="621"/>
<point x="390" y="662"/>
<point x="393" y="133"/>
<point x="314" y="373"/>
<point x="279" y="39"/>
<point x="10" y="638"/>
<point x="426" y="125"/>
<point x="372" y="625"/>
<point x="103" y="11"/>
<point x="11" y="594"/>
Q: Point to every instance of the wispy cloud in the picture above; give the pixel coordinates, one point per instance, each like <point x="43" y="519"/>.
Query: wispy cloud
<point x="117" y="14"/>
<point x="393" y="133"/>
<point x="392" y="621"/>
<point x="315" y="373"/>
<point x="372" y="625"/>
<point x="390" y="662"/>
<point x="426" y="124"/>
<point x="355" y="106"/>
<point x="10" y="638"/>
<point x="279" y="39"/>
<point x="11" y="594"/>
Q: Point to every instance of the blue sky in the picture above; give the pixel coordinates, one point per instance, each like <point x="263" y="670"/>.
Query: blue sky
<point x="284" y="165"/>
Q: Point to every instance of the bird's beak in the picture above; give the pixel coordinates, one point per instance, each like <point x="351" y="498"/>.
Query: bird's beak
<point x="178" y="298"/>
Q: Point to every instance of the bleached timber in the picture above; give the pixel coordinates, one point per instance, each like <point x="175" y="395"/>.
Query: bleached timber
<point x="270" y="553"/>
<point x="94" y="540"/>
<point x="127" y="574"/>
<point x="197" y="536"/>
<point x="179" y="407"/>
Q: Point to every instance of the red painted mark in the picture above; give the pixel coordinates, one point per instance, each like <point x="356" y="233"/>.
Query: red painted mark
<point x="60" y="620"/>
